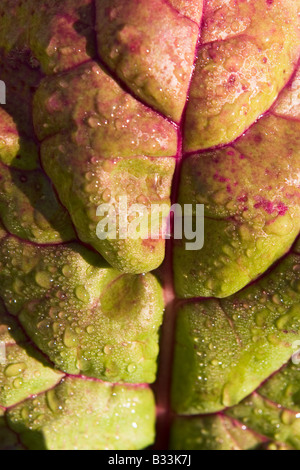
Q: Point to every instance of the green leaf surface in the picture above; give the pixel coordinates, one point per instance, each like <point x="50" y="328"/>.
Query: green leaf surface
<point x="92" y="162"/>
<point x="29" y="207"/>
<point x="251" y="200"/>
<point x="151" y="48"/>
<point x="268" y="419"/>
<point x="216" y="432"/>
<point x="248" y="53"/>
<point x="23" y="370"/>
<point x="85" y="316"/>
<point x="274" y="411"/>
<point x="226" y="348"/>
<point x="86" y="415"/>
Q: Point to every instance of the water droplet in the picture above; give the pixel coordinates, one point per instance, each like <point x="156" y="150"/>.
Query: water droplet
<point x="276" y="299"/>
<point x="118" y="124"/>
<point x="107" y="349"/>
<point x="228" y="250"/>
<point x="67" y="270"/>
<point x="210" y="284"/>
<point x="43" y="279"/>
<point x="12" y="370"/>
<point x="52" y="400"/>
<point x="226" y="397"/>
<point x="106" y="195"/>
<point x="70" y="338"/>
<point x="282" y="322"/>
<point x="112" y="370"/>
<point x="260" y="319"/>
<point x="18" y="286"/>
<point x="131" y="368"/>
<point x="43" y="326"/>
<point x="82" y="294"/>
<point x="108" y="166"/>
<point x="287" y="417"/>
<point x="141" y="199"/>
<point x="55" y="328"/>
<point x="89" y="176"/>
<point x="93" y="122"/>
<point x="82" y="363"/>
<point x="25" y="413"/>
<point x="17" y="383"/>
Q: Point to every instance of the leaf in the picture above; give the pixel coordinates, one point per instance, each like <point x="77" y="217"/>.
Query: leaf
<point x="86" y="415"/>
<point x="85" y="316"/>
<point x="225" y="349"/>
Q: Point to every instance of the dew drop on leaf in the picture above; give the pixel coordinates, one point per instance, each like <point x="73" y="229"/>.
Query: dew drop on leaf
<point x="70" y="338"/>
<point x="43" y="279"/>
<point x="13" y="370"/>
<point x="82" y="294"/>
